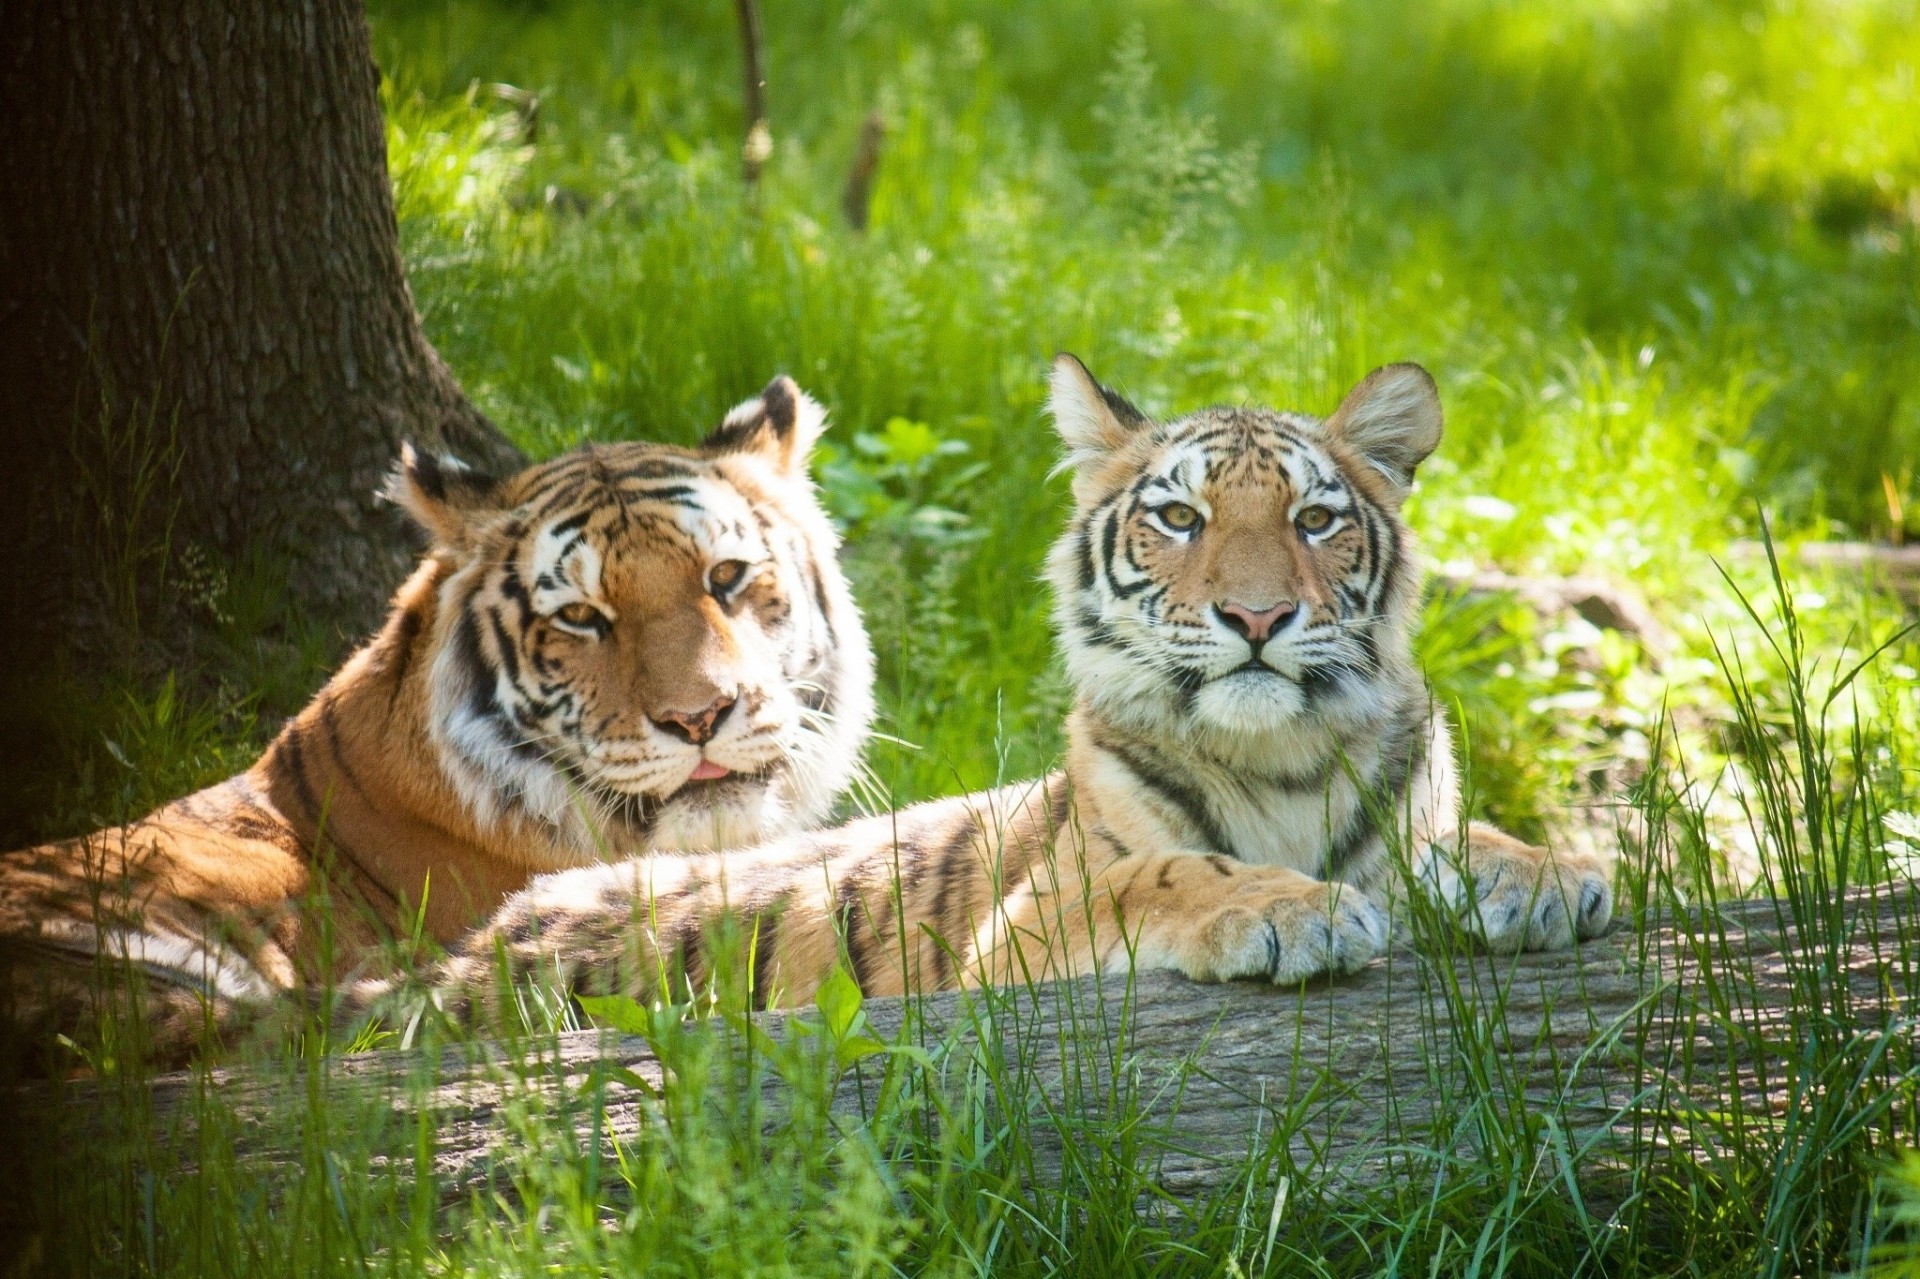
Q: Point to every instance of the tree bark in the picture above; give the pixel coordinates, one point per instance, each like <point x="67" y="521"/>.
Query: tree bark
<point x="209" y="344"/>
<point x="1635" y="1042"/>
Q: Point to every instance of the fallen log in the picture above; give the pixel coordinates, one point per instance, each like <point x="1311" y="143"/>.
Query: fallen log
<point x="1604" y="604"/>
<point x="1644" y="1039"/>
<point x="1890" y="568"/>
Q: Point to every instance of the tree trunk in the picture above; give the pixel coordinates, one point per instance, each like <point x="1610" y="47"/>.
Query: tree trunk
<point x="210" y="348"/>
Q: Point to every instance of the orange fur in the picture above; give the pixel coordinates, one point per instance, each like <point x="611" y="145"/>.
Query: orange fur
<point x="482" y="737"/>
<point x="1252" y="754"/>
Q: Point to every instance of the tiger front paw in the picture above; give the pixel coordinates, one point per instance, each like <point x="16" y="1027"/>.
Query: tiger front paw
<point x="1288" y="933"/>
<point x="1514" y="896"/>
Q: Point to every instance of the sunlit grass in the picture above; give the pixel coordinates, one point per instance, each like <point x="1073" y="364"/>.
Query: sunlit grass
<point x="1634" y="332"/>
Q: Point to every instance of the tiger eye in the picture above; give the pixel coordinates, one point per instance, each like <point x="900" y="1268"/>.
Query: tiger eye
<point x="1314" y="519"/>
<point x="584" y="616"/>
<point x="726" y="575"/>
<point x="1179" y="516"/>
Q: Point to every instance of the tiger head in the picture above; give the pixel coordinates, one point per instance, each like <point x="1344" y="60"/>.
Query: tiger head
<point x="641" y="646"/>
<point x="1239" y="572"/>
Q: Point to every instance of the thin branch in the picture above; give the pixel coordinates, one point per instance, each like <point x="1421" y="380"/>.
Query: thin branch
<point x="866" y="163"/>
<point x="758" y="143"/>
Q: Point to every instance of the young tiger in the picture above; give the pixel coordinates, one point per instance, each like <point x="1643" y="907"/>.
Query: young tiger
<point x="630" y="647"/>
<point x="1250" y="745"/>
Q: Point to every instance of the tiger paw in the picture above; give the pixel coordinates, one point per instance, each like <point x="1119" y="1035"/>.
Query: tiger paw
<point x="1287" y="933"/>
<point x="1518" y="897"/>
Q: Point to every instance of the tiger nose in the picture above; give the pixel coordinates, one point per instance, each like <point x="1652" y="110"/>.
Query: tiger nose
<point x="1254" y="624"/>
<point x="697" y="727"/>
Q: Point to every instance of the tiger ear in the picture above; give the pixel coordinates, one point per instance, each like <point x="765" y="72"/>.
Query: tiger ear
<point x="1092" y="420"/>
<point x="1392" y="420"/>
<point x="442" y="494"/>
<point x="781" y="425"/>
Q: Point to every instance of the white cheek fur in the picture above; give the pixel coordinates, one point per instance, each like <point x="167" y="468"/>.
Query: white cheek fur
<point x="496" y="783"/>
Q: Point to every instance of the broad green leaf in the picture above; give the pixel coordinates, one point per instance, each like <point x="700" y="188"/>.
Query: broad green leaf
<point x="617" y="1012"/>
<point x="856" y="1048"/>
<point x="839" y="1001"/>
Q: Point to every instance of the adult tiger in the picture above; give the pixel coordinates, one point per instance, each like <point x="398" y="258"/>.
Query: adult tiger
<point x="1252" y="741"/>
<point x="632" y="646"/>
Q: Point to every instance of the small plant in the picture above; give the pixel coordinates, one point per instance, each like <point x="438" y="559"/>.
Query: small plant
<point x="1166" y="176"/>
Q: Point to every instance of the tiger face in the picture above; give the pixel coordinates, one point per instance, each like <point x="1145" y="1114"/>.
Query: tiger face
<point x="1240" y="570"/>
<point x="645" y="646"/>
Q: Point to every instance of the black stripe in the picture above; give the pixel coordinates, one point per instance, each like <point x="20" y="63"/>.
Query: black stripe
<point x="297" y="765"/>
<point x="1370" y="526"/>
<point x="553" y="578"/>
<point x="1320" y="682"/>
<point x="819" y="588"/>
<point x="1369" y="649"/>
<point x="856" y="949"/>
<point x="509" y="651"/>
<point x="659" y="468"/>
<point x="327" y="721"/>
<point x="1387" y="795"/>
<point x="1083" y="558"/>
<point x="406" y="631"/>
<point x="1190" y="802"/>
<point x="466" y="651"/>
<point x="1146" y="578"/>
<point x="1096" y="631"/>
<point x="1392" y="571"/>
<point x="512" y="587"/>
<point x="687" y="947"/>
<point x="673" y="493"/>
<point x="1060" y="804"/>
<point x="366" y="877"/>
<point x="1189" y="680"/>
<point x="951" y="858"/>
<point x="1109" y="549"/>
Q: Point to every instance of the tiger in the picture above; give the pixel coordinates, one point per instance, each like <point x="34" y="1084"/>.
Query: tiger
<point x="629" y="647"/>
<point x="1254" y="762"/>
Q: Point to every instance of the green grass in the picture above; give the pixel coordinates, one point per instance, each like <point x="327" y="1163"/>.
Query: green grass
<point x="1662" y="258"/>
<point x="1651" y="286"/>
<point x="1029" y="1141"/>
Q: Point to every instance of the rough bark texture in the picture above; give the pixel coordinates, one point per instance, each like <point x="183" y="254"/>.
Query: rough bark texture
<point x="209" y="344"/>
<point x="1620" y="1039"/>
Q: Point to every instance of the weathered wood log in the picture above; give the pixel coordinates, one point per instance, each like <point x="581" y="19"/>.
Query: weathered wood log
<point x="1891" y="568"/>
<point x="1607" y="605"/>
<point x="1628" y="1044"/>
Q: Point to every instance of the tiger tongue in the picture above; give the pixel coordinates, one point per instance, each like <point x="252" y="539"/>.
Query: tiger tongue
<point x="707" y="771"/>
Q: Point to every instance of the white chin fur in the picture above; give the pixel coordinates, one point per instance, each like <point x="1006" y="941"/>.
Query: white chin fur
<point x="741" y="817"/>
<point x="1249" y="702"/>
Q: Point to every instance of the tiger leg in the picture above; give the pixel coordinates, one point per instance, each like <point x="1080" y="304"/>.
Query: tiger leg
<point x="1515" y="896"/>
<point x="1208" y="917"/>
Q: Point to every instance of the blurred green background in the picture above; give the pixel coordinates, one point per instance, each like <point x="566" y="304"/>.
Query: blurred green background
<point x="1661" y="257"/>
